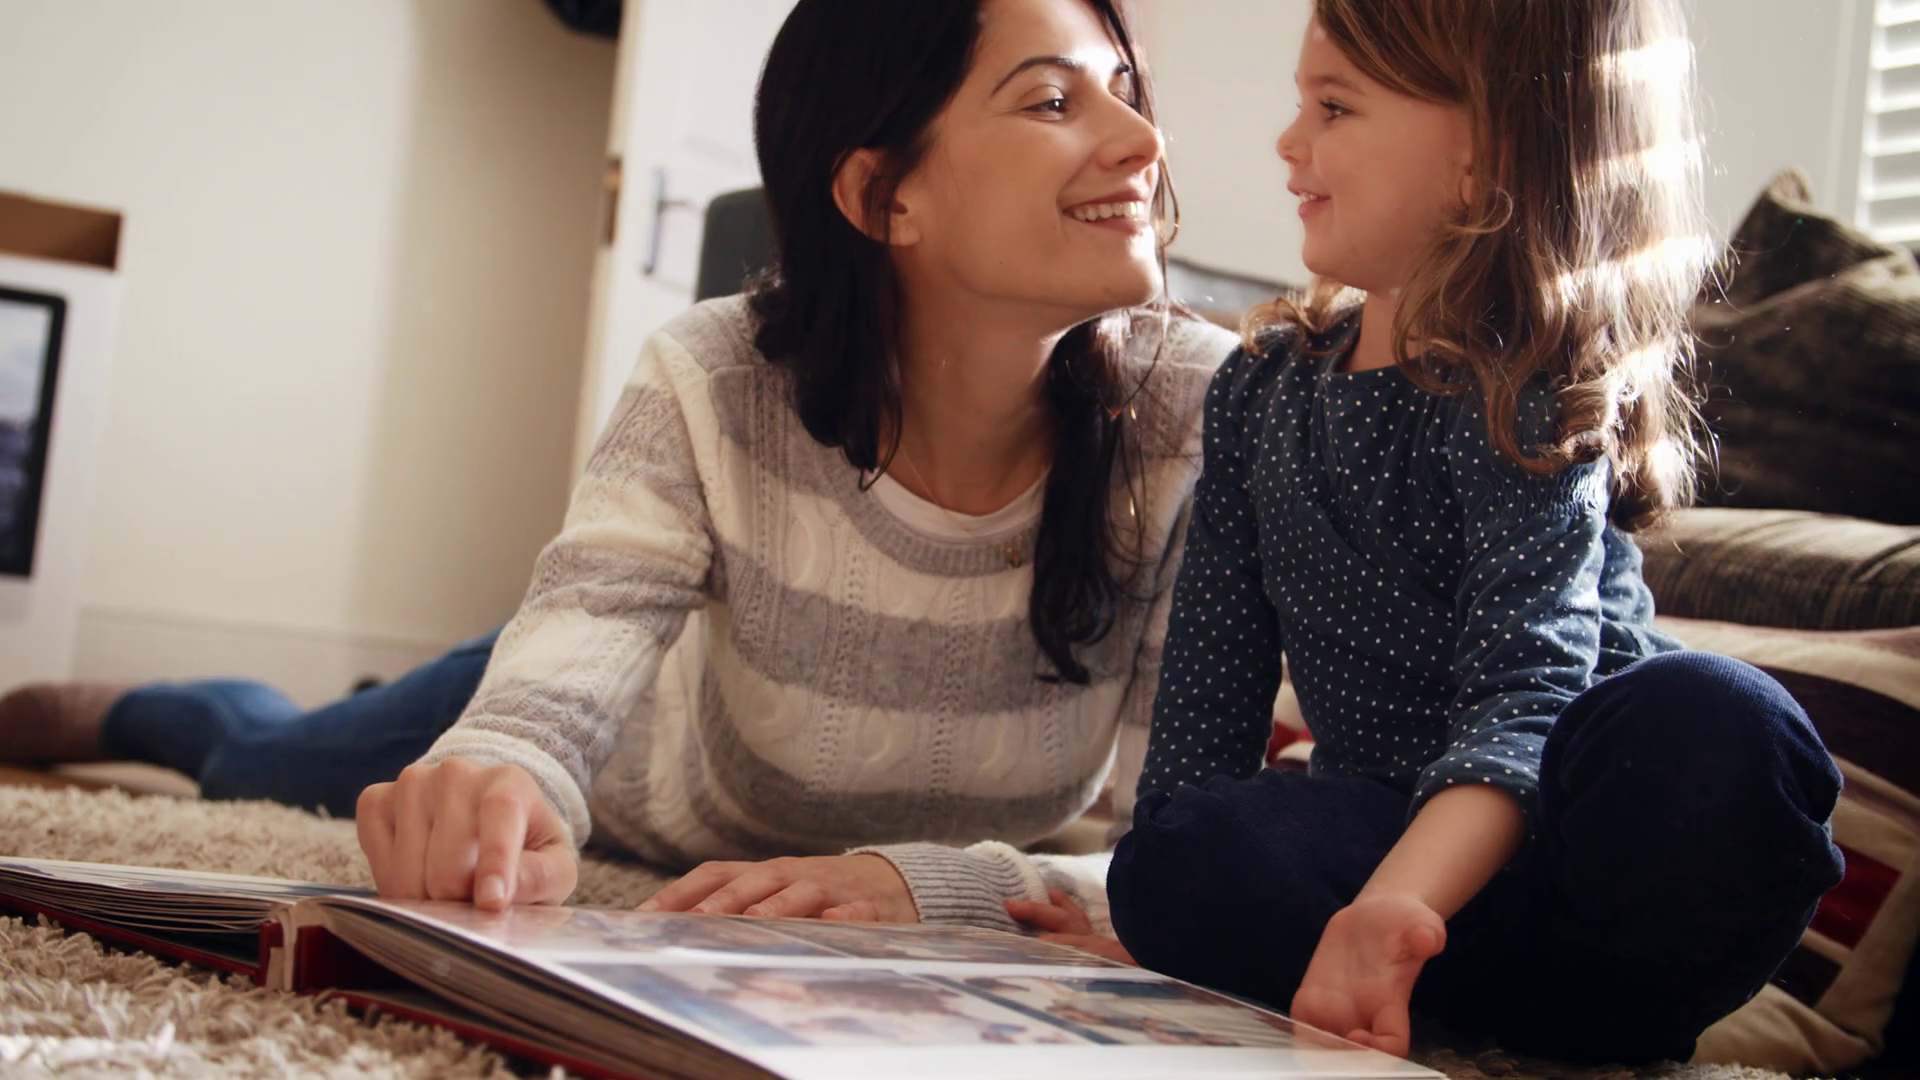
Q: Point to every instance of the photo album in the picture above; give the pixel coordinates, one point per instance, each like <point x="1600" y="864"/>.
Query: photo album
<point x="619" y="993"/>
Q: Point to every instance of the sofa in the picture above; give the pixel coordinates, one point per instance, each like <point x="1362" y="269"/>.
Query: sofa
<point x="1803" y="558"/>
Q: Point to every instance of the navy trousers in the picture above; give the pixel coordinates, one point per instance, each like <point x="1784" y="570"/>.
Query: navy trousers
<point x="1681" y="844"/>
<point x="245" y="740"/>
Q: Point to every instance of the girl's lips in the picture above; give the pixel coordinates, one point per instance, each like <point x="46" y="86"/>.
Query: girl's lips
<point x="1314" y="205"/>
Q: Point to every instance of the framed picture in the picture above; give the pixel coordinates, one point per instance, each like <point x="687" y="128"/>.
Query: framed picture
<point x="30" y="326"/>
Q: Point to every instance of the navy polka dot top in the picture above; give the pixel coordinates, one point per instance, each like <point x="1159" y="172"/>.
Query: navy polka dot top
<point x="1438" y="606"/>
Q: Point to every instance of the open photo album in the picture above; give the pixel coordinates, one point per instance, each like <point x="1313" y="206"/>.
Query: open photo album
<point x="620" y="993"/>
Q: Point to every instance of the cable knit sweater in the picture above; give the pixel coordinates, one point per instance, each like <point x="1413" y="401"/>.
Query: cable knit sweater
<point x="844" y="681"/>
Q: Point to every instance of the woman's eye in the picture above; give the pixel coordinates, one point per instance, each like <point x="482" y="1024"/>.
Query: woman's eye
<point x="1055" y="104"/>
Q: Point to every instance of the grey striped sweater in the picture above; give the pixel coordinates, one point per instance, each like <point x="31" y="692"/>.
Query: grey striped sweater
<point x="843" y="682"/>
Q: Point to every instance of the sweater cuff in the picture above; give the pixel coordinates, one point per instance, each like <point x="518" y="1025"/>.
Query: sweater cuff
<point x="492" y="748"/>
<point x="968" y="887"/>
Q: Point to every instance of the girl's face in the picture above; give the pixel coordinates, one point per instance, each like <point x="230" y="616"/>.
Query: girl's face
<point x="1379" y="174"/>
<point x="1038" y="181"/>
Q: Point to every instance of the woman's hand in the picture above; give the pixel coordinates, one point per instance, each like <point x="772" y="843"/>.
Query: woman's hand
<point x="855" y="888"/>
<point x="460" y="830"/>
<point x="1360" y="980"/>
<point x="1066" y="924"/>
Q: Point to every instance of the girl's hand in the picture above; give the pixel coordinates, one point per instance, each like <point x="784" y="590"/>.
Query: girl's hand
<point x="1361" y="978"/>
<point x="460" y="830"/>
<point x="1067" y="925"/>
<point x="856" y="888"/>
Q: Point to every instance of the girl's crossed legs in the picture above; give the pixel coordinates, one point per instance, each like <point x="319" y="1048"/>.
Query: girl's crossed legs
<point x="1682" y="845"/>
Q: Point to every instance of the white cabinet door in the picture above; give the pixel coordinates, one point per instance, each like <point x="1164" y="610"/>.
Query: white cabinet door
<point x="682" y="133"/>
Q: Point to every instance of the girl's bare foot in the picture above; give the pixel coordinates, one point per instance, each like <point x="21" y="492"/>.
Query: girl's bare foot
<point x="51" y="723"/>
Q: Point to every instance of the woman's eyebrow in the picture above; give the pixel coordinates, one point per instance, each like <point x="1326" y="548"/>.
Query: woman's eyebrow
<point x="1067" y="63"/>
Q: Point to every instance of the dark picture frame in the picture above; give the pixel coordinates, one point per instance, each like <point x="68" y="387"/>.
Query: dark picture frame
<point x="32" y="326"/>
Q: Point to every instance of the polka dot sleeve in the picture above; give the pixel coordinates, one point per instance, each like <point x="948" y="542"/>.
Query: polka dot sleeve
<point x="1529" y="611"/>
<point x="1214" y="711"/>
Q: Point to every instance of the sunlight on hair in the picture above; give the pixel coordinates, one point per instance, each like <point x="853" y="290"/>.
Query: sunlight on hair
<point x="1666" y="158"/>
<point x="1662" y="61"/>
<point x="1669" y="160"/>
<point x="1675" y="256"/>
<point x="1670" y="460"/>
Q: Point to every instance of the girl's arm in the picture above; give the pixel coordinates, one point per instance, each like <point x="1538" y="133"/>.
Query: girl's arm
<point x="1530" y="613"/>
<point x="1528" y="608"/>
<point x="1213" y="715"/>
<point x="1360" y="981"/>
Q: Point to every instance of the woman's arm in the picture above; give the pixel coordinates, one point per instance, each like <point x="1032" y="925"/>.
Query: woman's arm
<point x="609" y="596"/>
<point x="940" y="884"/>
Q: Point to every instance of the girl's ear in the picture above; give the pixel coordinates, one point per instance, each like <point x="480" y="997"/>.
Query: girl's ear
<point x="1469" y="186"/>
<point x="851" y="182"/>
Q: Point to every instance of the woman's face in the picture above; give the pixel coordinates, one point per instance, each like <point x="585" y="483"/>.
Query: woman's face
<point x="1379" y="174"/>
<point x="1038" y="182"/>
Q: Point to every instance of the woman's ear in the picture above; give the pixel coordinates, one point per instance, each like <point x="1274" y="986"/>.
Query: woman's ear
<point x="851" y="184"/>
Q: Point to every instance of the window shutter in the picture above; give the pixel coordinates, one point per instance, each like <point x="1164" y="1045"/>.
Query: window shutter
<point x="1890" y="165"/>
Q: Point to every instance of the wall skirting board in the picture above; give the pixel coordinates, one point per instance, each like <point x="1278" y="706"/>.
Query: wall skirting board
<point x="312" y="666"/>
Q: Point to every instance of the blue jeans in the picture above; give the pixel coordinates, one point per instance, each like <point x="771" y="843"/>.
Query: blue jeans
<point x="243" y="740"/>
<point x="1681" y="844"/>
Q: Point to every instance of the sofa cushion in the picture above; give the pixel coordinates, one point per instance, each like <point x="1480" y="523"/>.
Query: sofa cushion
<point x="1784" y="568"/>
<point x="1812" y="361"/>
<point x="1829" y="1006"/>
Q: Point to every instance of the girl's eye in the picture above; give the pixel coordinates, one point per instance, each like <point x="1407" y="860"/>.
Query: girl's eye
<point x="1334" y="109"/>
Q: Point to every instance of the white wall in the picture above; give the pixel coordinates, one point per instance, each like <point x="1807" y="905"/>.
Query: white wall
<point x="359" y="238"/>
<point x="1779" y="79"/>
<point x="1782" y="83"/>
<point x="1223" y="80"/>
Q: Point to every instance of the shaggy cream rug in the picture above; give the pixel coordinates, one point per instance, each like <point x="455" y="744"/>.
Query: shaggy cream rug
<point x="69" y="1008"/>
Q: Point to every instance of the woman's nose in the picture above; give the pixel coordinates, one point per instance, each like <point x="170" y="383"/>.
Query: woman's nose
<point x="1135" y="142"/>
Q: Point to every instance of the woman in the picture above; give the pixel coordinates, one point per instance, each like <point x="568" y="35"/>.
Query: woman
<point x="921" y="491"/>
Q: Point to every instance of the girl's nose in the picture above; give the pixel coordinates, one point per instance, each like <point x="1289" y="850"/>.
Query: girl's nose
<point x="1290" y="146"/>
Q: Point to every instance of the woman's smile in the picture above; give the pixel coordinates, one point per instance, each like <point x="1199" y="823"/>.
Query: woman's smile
<point x="1125" y="212"/>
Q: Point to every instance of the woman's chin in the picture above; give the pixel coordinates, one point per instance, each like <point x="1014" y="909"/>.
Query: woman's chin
<point x="1131" y="291"/>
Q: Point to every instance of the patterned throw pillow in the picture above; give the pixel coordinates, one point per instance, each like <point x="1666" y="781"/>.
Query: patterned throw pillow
<point x="1830" y="1004"/>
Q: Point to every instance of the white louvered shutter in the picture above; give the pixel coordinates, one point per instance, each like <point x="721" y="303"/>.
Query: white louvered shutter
<point x="1890" y="154"/>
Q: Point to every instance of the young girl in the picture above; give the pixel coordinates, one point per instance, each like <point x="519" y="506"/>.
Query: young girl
<point x="1528" y="815"/>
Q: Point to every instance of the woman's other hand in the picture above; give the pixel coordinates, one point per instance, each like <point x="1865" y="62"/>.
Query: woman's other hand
<point x="855" y="888"/>
<point x="1360" y="980"/>
<point x="460" y="830"/>
<point x="1065" y="924"/>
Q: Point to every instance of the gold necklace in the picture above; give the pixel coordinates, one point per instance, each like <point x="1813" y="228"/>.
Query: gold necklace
<point x="1012" y="549"/>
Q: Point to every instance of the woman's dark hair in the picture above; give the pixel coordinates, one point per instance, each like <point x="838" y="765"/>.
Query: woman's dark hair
<point x="846" y="75"/>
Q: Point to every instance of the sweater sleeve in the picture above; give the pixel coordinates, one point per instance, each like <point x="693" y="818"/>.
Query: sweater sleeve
<point x="608" y="597"/>
<point x="1529" y="607"/>
<point x="971" y="885"/>
<point x="1213" y="715"/>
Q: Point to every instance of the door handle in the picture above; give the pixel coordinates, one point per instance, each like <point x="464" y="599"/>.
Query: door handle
<point x="662" y="203"/>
